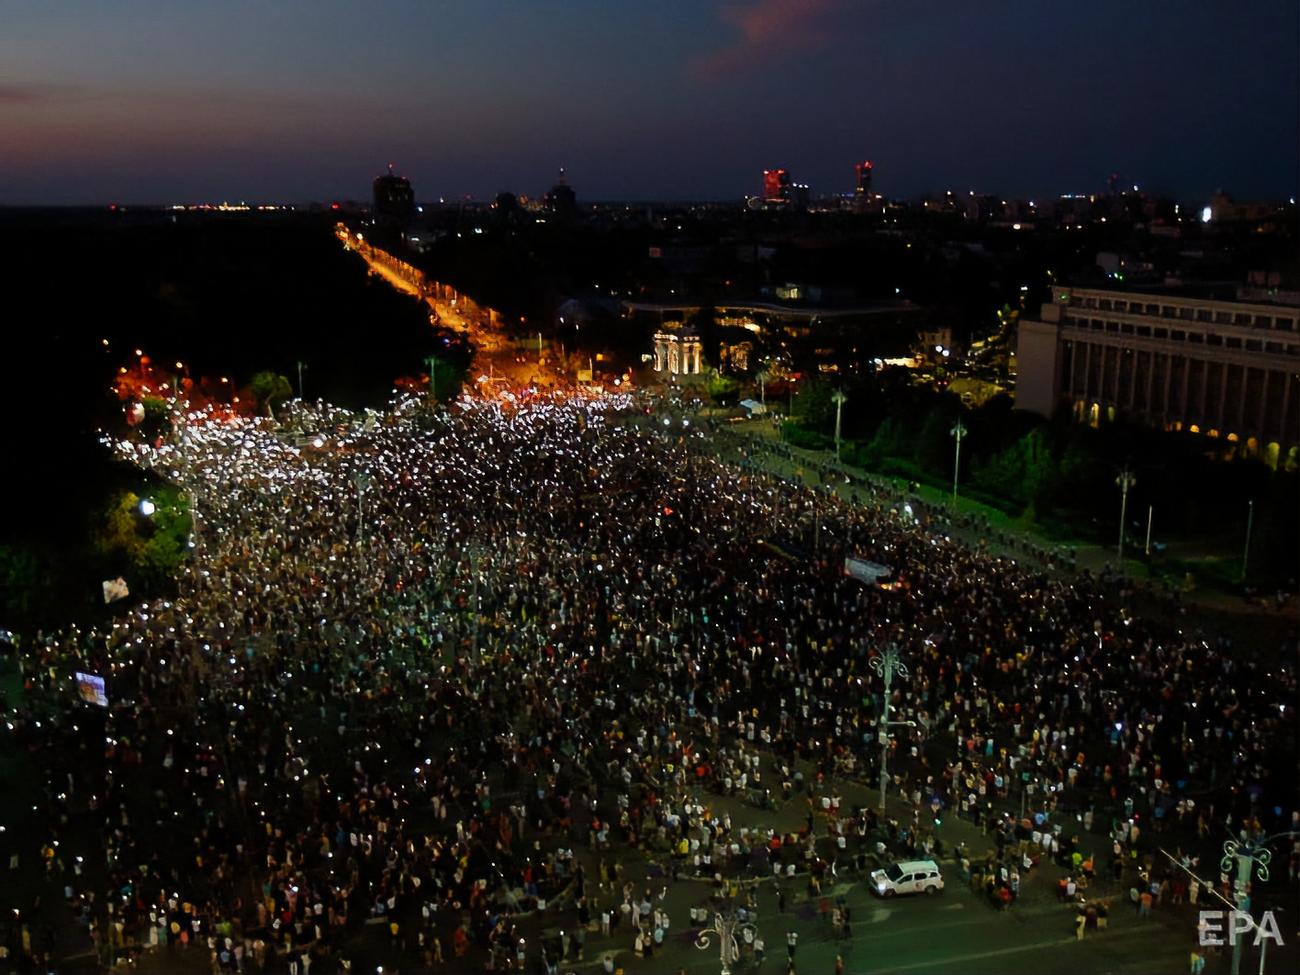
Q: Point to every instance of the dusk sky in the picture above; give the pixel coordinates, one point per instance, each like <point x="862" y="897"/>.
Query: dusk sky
<point x="142" y="101"/>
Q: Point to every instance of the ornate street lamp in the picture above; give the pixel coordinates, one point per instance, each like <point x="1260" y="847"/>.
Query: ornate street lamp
<point x="886" y="665"/>
<point x="1126" y="480"/>
<point x="361" y="480"/>
<point x="839" y="398"/>
<point x="958" y="431"/>
<point x="1247" y="857"/>
<point x="726" y="925"/>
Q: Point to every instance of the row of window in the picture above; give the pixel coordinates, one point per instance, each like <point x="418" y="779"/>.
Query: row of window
<point x="1180" y="335"/>
<point x="1211" y="316"/>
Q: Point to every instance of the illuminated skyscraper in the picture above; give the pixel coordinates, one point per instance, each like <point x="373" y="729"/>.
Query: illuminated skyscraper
<point x="862" y="195"/>
<point x="776" y="186"/>
<point x="863" y="170"/>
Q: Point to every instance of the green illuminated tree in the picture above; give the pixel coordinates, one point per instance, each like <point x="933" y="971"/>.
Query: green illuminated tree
<point x="149" y="549"/>
<point x="722" y="389"/>
<point x="269" y="388"/>
<point x="445" y="378"/>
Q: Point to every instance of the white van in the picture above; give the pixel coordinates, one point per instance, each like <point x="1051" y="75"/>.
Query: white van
<point x="908" y="877"/>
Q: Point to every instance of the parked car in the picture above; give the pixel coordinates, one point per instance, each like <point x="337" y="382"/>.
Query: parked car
<point x="908" y="877"/>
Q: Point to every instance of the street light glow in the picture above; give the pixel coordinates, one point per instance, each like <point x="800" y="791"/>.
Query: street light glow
<point x="147" y="507"/>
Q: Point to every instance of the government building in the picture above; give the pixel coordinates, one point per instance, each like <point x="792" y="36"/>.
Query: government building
<point x="1223" y="369"/>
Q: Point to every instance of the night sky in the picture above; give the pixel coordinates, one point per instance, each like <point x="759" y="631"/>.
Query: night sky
<point x="144" y="101"/>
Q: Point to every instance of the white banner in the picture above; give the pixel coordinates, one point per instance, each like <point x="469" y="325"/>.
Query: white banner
<point x="864" y="571"/>
<point x="115" y="589"/>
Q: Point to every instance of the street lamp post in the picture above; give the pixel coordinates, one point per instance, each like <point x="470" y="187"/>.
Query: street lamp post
<point x="725" y="926"/>
<point x="839" y="398"/>
<point x="301" y="366"/>
<point x="362" y="481"/>
<point x="1250" y="523"/>
<point x="474" y="566"/>
<point x="1248" y="856"/>
<point x="1243" y="857"/>
<point x="958" y="431"/>
<point x="1125" y="481"/>
<point x="178" y="407"/>
<point x="886" y="665"/>
<point x="432" y="363"/>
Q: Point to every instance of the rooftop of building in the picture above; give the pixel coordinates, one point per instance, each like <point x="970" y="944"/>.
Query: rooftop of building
<point x="882" y="306"/>
<point x="1226" y="293"/>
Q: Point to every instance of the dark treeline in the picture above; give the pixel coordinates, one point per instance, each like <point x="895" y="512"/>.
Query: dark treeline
<point x="1060" y="473"/>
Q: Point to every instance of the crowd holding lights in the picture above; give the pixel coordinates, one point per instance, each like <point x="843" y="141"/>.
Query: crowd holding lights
<point x="391" y="619"/>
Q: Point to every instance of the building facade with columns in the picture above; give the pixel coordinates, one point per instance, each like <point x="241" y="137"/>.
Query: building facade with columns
<point x="1222" y="369"/>
<point x="678" y="353"/>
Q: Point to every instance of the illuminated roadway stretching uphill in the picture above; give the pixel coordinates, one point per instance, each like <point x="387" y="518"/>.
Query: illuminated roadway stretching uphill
<point x="496" y="358"/>
<point x="459" y="313"/>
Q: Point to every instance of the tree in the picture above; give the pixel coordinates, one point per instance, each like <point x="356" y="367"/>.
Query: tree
<point x="19" y="581"/>
<point x="148" y="548"/>
<point x="446" y="378"/>
<point x="157" y="416"/>
<point x="1022" y="473"/>
<point x="268" y="388"/>
<point x="890" y="440"/>
<point x="813" y="405"/>
<point x="722" y="389"/>
<point x="933" y="447"/>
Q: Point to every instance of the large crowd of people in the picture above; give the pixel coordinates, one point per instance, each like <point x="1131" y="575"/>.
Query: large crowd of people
<point x="420" y="657"/>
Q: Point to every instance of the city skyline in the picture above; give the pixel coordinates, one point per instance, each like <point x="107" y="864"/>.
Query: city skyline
<point x="146" y="102"/>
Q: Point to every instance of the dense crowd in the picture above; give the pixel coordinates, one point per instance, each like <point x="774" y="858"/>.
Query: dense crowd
<point x="419" y="658"/>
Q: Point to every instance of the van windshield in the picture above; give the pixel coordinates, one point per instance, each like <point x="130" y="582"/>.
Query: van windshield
<point x="894" y="873"/>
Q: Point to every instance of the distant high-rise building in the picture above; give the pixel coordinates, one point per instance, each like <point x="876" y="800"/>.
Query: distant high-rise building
<point x="394" y="198"/>
<point x="779" y="191"/>
<point x="862" y="197"/>
<point x="560" y="199"/>
<point x="776" y="186"/>
<point x="863" y="170"/>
